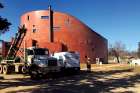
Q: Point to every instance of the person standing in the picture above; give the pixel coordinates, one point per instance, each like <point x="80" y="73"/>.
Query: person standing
<point x="88" y="64"/>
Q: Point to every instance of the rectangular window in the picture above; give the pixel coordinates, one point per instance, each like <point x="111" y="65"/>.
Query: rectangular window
<point x="44" y="17"/>
<point x="28" y="18"/>
<point x="34" y="42"/>
<point x="34" y="30"/>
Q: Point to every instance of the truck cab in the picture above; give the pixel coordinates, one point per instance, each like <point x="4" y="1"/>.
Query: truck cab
<point x="33" y="54"/>
<point x="40" y="63"/>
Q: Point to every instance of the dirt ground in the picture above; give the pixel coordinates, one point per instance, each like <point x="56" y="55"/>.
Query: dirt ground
<point x="109" y="78"/>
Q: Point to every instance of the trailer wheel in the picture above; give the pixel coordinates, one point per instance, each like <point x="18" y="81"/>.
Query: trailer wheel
<point x="5" y="69"/>
<point x="24" y="69"/>
<point x="1" y="69"/>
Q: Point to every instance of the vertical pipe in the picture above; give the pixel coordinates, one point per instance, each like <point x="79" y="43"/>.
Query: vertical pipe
<point x="50" y="25"/>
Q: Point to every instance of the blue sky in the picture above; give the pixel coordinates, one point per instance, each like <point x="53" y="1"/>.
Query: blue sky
<point x="116" y="20"/>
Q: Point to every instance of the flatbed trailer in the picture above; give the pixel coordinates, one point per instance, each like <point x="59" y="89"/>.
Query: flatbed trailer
<point x="9" y="66"/>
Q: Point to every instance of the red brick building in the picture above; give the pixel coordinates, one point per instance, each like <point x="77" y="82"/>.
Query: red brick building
<point x="59" y="31"/>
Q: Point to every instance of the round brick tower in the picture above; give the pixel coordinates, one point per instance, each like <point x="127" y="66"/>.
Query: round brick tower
<point x="59" y="31"/>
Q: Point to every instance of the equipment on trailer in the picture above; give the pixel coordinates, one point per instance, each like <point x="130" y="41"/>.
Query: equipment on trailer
<point x="16" y="43"/>
<point x="10" y="64"/>
<point x="70" y="61"/>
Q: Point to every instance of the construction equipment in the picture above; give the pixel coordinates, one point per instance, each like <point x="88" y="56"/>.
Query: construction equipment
<point x="39" y="63"/>
<point x="33" y="60"/>
<point x="9" y="64"/>
<point x="36" y="61"/>
<point x="16" y="42"/>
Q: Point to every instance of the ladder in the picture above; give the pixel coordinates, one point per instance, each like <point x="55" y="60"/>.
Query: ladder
<point x="16" y="43"/>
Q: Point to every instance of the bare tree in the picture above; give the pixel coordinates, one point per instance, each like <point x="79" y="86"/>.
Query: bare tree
<point x="134" y="54"/>
<point x="117" y="50"/>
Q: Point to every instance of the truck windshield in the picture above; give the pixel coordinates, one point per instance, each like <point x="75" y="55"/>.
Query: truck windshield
<point x="38" y="51"/>
<point x="30" y="52"/>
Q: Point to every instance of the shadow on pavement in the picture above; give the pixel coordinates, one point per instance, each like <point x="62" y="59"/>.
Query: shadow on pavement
<point x="82" y="83"/>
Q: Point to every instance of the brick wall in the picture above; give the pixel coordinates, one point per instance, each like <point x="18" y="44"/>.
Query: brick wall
<point x="69" y="34"/>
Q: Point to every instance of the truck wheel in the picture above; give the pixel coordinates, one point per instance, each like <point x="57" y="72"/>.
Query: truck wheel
<point x="24" y="69"/>
<point x="1" y="69"/>
<point x="34" y="74"/>
<point x="5" y="69"/>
